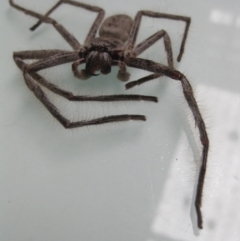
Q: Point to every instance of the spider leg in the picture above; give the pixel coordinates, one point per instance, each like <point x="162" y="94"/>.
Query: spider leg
<point x="33" y="80"/>
<point x="95" y="25"/>
<point x="145" y="44"/>
<point x="105" y="98"/>
<point x="137" y="22"/>
<point x="53" y="60"/>
<point x="38" y="54"/>
<point x="57" y="57"/>
<point x="38" y="92"/>
<point x="142" y="80"/>
<point x="65" y="34"/>
<point x="189" y="96"/>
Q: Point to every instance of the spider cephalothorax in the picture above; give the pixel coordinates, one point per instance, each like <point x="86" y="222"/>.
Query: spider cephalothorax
<point x="100" y="55"/>
<point x="115" y="46"/>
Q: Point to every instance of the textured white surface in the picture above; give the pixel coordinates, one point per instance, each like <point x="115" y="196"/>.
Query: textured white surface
<point x="125" y="181"/>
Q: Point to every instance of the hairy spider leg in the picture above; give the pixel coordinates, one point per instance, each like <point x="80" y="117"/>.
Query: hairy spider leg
<point x="137" y="21"/>
<point x="155" y="37"/>
<point x="44" y="63"/>
<point x="72" y="41"/>
<point x="145" y="44"/>
<point x="189" y="96"/>
<point x="93" y="30"/>
<point x="32" y="78"/>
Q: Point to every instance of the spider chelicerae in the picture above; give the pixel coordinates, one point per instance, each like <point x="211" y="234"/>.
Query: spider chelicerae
<point x="115" y="46"/>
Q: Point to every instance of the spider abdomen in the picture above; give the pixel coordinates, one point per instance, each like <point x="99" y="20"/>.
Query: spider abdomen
<point x="116" y="26"/>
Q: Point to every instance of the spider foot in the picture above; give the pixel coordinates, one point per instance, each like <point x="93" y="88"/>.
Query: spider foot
<point x="131" y="84"/>
<point x="142" y="80"/>
<point x="35" y="26"/>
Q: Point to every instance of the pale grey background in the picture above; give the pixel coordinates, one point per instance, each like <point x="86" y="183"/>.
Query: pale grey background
<point x="126" y="181"/>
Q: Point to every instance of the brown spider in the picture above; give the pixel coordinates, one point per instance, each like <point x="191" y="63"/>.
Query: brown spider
<point x="114" y="46"/>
